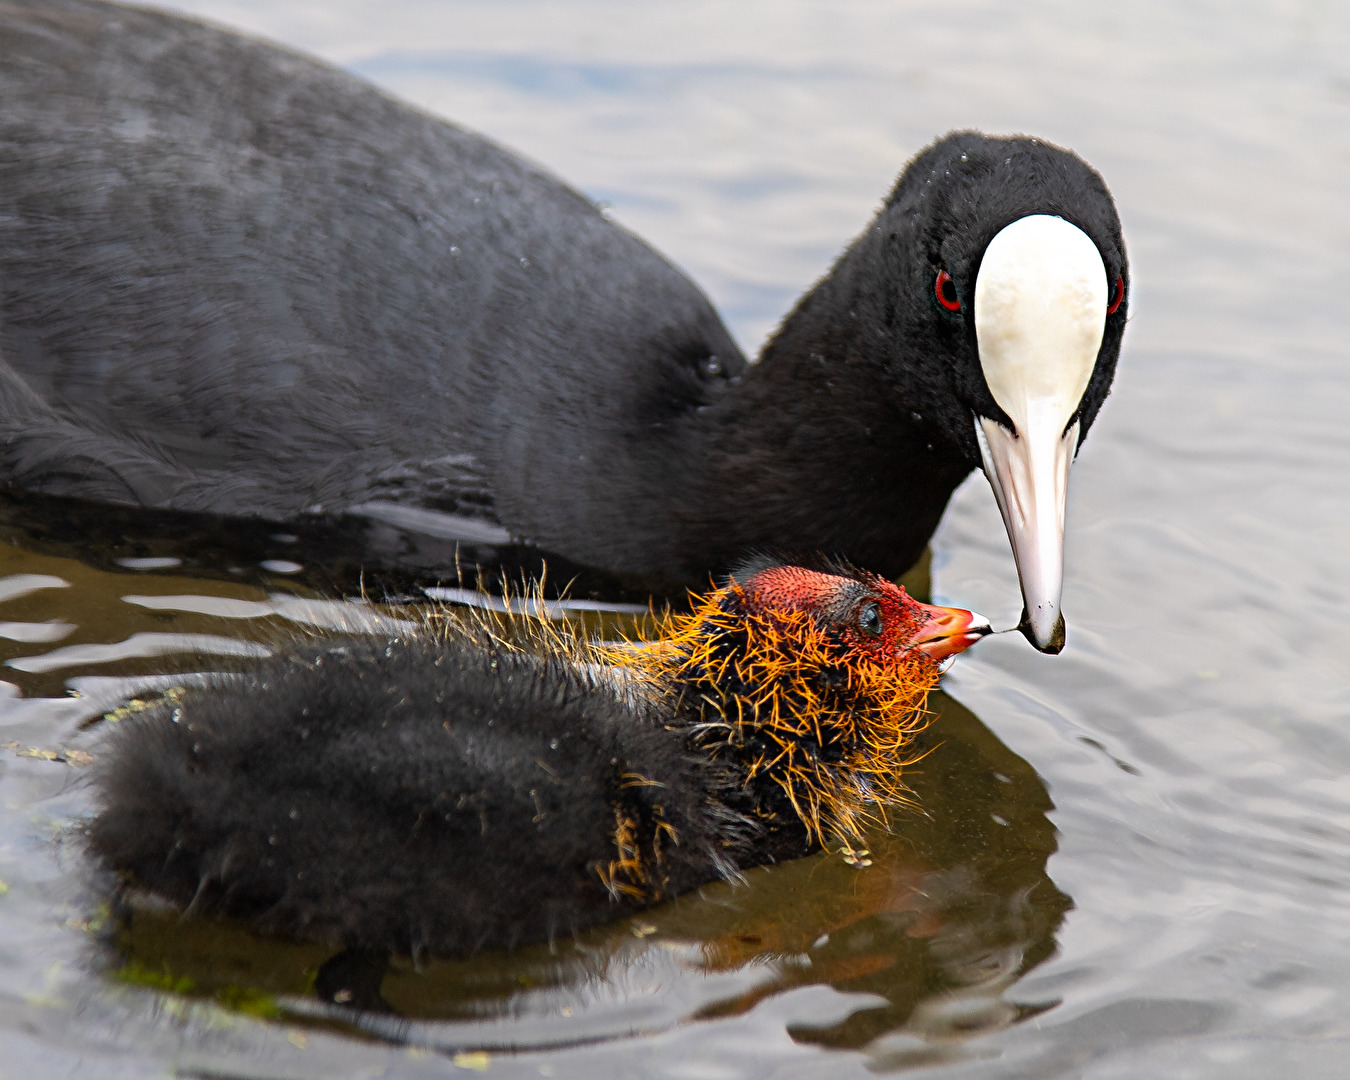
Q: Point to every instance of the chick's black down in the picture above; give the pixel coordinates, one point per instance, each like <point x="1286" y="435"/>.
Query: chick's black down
<point x="410" y="797"/>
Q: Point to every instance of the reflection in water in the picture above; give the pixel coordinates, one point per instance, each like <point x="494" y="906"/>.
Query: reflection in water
<point x="955" y="906"/>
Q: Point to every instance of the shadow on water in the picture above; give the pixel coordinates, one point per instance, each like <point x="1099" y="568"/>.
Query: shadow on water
<point x="955" y="906"/>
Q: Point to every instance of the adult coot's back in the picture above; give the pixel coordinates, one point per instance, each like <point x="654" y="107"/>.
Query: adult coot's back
<point x="232" y="279"/>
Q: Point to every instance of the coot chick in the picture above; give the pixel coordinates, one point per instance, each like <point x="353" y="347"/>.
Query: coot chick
<point x="235" y="280"/>
<point x="450" y="790"/>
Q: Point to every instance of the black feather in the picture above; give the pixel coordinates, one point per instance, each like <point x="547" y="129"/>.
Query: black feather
<point x="415" y="795"/>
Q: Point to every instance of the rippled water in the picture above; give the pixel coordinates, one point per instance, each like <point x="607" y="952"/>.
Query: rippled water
<point x="1135" y="862"/>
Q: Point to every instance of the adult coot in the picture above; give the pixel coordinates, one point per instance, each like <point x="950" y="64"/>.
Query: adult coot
<point x="236" y="280"/>
<point x="449" y="790"/>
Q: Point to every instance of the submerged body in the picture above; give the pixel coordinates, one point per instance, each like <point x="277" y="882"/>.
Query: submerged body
<point x="448" y="791"/>
<point x="238" y="281"/>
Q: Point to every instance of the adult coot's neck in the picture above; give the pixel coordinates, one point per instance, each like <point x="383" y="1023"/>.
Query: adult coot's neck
<point x="830" y="442"/>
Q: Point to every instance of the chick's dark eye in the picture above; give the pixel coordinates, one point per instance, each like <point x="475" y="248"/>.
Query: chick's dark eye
<point x="869" y="620"/>
<point x="1117" y="295"/>
<point x="944" y="288"/>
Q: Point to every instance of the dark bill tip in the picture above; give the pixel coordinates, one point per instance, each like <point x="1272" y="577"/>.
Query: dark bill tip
<point x="1052" y="645"/>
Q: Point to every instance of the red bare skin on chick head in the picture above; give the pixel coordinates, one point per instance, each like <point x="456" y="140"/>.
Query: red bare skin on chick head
<point x="874" y="619"/>
<point x="867" y="612"/>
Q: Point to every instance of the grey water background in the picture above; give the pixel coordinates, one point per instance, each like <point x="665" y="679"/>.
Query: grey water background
<point x="1193" y="735"/>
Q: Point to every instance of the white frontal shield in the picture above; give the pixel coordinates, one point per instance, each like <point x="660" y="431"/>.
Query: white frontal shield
<point x="1040" y="312"/>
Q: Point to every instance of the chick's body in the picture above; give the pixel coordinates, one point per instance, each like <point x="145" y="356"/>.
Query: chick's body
<point x="447" y="791"/>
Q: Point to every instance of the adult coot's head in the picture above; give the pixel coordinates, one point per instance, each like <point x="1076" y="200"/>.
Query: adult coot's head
<point x="977" y="320"/>
<point x="1010" y="254"/>
<point x="1017" y="264"/>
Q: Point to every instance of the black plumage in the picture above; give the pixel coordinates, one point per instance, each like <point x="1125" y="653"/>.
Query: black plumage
<point x="236" y="280"/>
<point x="409" y="796"/>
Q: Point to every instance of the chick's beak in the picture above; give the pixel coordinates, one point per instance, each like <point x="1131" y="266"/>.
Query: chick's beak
<point x="947" y="631"/>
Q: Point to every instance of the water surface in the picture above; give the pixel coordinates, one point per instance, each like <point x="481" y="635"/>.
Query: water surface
<point x="1136" y="855"/>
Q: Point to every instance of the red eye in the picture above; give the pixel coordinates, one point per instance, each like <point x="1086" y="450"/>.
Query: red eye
<point x="1117" y="295"/>
<point x="944" y="288"/>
